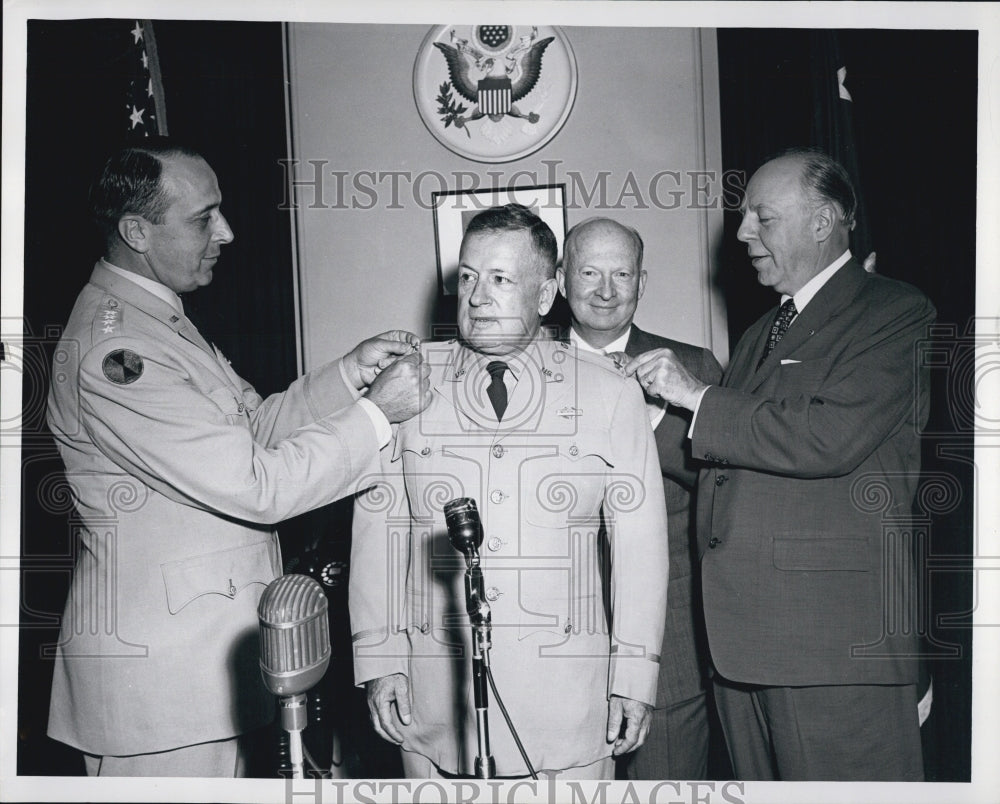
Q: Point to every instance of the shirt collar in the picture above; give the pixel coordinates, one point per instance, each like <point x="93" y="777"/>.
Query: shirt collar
<point x="617" y="345"/>
<point x="158" y="289"/>
<point x="812" y="287"/>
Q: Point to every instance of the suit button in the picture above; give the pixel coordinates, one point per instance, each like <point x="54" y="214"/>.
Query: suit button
<point x="720" y="479"/>
<point x="496" y="496"/>
<point x="713" y="542"/>
<point x="493" y="594"/>
<point x="494" y="543"/>
<point x="498" y="451"/>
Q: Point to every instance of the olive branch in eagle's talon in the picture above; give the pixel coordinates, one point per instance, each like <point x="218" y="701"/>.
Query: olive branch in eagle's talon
<point x="450" y="111"/>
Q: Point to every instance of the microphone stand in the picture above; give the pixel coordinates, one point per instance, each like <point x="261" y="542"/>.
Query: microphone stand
<point x="293" y="720"/>
<point x="481" y="619"/>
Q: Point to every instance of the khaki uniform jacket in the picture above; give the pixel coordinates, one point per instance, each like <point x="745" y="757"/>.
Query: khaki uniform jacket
<point x="575" y="437"/>
<point x="682" y="678"/>
<point x="178" y="470"/>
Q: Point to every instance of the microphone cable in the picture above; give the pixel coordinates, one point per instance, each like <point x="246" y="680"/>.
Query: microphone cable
<point x="510" y="723"/>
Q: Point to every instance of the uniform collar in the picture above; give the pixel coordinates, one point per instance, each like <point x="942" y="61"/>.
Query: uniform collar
<point x="158" y="289"/>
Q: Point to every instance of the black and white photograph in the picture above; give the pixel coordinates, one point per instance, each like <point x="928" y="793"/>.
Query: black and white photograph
<point x="502" y="401"/>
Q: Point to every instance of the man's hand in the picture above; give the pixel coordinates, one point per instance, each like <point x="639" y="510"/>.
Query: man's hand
<point x="403" y="389"/>
<point x="661" y="374"/>
<point x="366" y="360"/>
<point x="382" y="693"/>
<point x="637" y="716"/>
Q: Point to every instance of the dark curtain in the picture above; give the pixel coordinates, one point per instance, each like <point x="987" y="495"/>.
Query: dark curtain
<point x="913" y="154"/>
<point x="224" y="94"/>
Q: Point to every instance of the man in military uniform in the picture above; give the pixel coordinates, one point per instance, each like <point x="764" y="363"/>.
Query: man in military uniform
<point x="603" y="279"/>
<point x="543" y="439"/>
<point x="179" y="470"/>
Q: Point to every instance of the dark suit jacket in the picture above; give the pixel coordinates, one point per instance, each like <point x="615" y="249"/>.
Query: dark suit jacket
<point x="682" y="666"/>
<point x="807" y="578"/>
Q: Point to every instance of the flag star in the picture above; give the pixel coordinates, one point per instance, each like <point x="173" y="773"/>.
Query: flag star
<point x="136" y="117"/>
<point x="136" y="32"/>
<point x="145" y="60"/>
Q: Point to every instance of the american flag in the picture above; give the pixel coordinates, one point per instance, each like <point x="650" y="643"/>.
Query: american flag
<point x="145" y="109"/>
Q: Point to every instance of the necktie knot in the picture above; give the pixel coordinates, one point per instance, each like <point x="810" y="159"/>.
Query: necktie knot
<point x="782" y="320"/>
<point x="497" y="389"/>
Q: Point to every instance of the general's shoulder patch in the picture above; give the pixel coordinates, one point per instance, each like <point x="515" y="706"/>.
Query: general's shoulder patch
<point x="122" y="366"/>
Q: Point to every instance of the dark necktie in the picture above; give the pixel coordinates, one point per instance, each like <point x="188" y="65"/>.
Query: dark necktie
<point x="497" y="391"/>
<point x="784" y="317"/>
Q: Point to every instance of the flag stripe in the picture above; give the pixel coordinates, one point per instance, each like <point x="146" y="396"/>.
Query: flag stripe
<point x="156" y="77"/>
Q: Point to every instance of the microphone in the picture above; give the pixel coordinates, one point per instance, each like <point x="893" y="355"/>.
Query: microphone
<point x="294" y="634"/>
<point x="294" y="650"/>
<point x="465" y="531"/>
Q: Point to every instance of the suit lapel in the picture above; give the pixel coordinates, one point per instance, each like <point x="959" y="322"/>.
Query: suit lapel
<point x="826" y="305"/>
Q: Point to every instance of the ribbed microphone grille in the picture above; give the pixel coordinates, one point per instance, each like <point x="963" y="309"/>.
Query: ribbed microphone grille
<point x="294" y="630"/>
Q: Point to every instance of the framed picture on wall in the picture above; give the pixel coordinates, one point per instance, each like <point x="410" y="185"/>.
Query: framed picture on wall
<point x="453" y="209"/>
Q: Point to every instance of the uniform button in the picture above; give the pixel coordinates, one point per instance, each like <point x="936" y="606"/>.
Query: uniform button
<point x="574" y="450"/>
<point x="713" y="542"/>
<point x="425" y="451"/>
<point x="709" y="456"/>
<point x="496" y="496"/>
<point x="241" y="407"/>
<point x="498" y="451"/>
<point x="494" y="543"/>
<point x="425" y="627"/>
<point x="493" y="594"/>
<point x="568" y="628"/>
<point x="720" y="479"/>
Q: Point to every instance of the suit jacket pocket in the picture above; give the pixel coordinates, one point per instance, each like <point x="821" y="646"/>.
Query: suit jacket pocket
<point x="821" y="555"/>
<point x="805" y="376"/>
<point x="225" y="573"/>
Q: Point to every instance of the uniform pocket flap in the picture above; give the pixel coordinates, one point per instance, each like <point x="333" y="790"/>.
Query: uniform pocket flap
<point x="845" y="555"/>
<point x="225" y="572"/>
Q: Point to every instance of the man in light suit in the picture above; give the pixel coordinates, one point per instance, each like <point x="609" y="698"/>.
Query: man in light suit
<point x="603" y="279"/>
<point x="543" y="438"/>
<point x="179" y="470"/>
<point x="811" y="438"/>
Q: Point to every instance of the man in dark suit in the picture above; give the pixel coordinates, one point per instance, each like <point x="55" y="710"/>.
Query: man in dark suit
<point x="602" y="279"/>
<point x="812" y="441"/>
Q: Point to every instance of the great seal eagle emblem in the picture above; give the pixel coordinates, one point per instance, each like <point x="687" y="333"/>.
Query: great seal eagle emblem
<point x="494" y="92"/>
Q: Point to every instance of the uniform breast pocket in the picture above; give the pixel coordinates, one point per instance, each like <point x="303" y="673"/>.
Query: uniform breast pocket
<point x="436" y="475"/>
<point x="563" y="483"/>
<point x="233" y="408"/>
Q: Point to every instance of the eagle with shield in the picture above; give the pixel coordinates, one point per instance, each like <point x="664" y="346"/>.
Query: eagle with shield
<point x="493" y="74"/>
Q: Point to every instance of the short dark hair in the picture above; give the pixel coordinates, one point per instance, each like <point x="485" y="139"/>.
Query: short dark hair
<point x="518" y="218"/>
<point x="131" y="182"/>
<point x="824" y="178"/>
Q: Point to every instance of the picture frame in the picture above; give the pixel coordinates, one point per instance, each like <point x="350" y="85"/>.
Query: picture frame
<point x="453" y="209"/>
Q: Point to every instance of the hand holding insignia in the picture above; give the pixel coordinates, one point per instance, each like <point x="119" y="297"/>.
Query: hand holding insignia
<point x="364" y="363"/>
<point x="403" y="389"/>
<point x="661" y="374"/>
